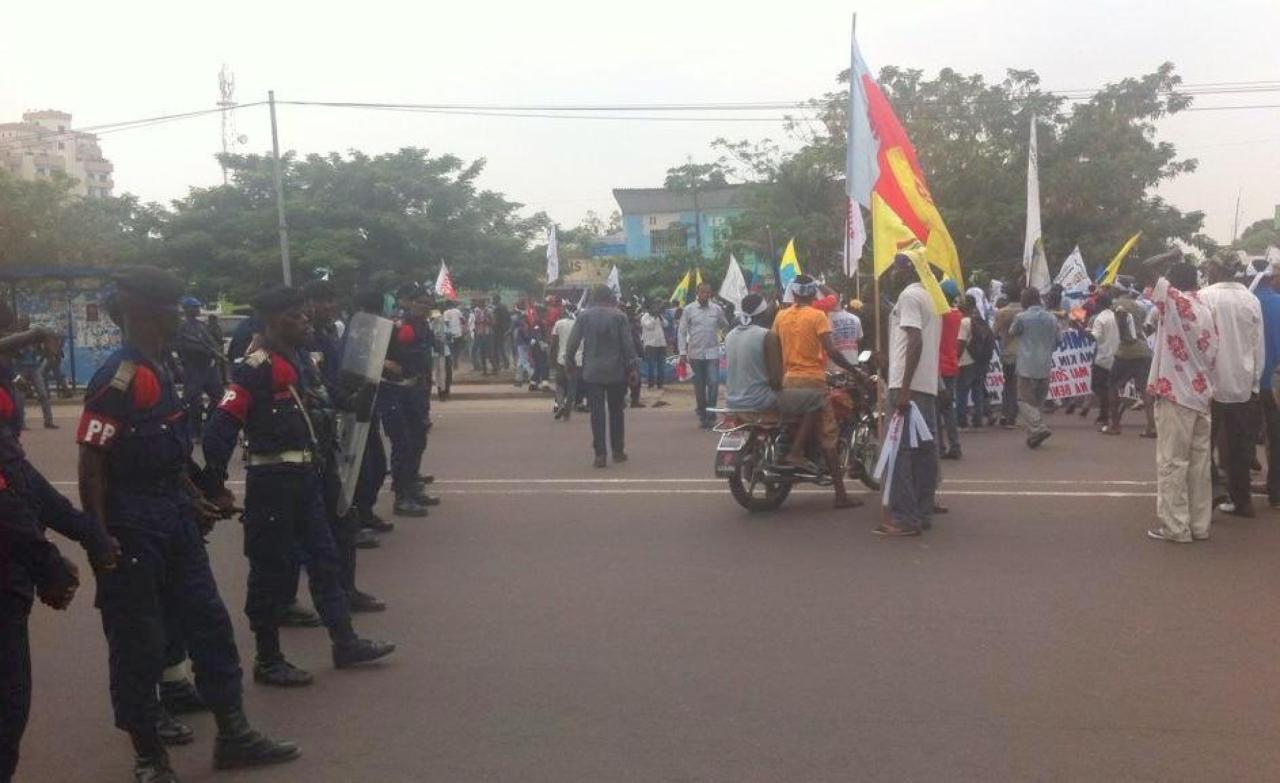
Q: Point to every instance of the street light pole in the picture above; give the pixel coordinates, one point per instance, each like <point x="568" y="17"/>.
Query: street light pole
<point x="279" y="179"/>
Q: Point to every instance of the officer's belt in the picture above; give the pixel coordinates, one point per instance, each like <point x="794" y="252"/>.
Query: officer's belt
<point x="407" y="383"/>
<point x="294" y="457"/>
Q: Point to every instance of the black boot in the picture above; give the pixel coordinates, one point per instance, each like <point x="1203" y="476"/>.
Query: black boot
<point x="280" y="673"/>
<point x="363" y="602"/>
<point x="295" y="615"/>
<point x="238" y="745"/>
<point x="365" y="539"/>
<point x="180" y="697"/>
<point x="172" y="731"/>
<point x="371" y="521"/>
<point x="420" y="494"/>
<point x="407" y="506"/>
<point x="355" y="651"/>
<point x="151" y="761"/>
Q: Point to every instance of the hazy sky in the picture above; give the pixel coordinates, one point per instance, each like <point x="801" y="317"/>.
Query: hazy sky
<point x="106" y="62"/>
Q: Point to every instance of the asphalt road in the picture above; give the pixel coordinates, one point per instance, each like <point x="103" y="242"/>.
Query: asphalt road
<point x="560" y="623"/>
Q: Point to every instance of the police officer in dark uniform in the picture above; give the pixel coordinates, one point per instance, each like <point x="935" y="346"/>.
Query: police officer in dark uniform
<point x="30" y="564"/>
<point x="202" y="362"/>
<point x="324" y="396"/>
<point x="137" y="480"/>
<point x="285" y="514"/>
<point x="404" y="402"/>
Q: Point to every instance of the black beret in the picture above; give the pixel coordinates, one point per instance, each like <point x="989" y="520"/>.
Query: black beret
<point x="278" y="300"/>
<point x="149" y="283"/>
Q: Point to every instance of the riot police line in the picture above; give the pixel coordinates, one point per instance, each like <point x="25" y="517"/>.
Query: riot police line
<point x="304" y="401"/>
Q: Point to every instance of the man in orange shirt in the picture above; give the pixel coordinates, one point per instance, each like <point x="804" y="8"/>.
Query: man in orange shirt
<point x="805" y="333"/>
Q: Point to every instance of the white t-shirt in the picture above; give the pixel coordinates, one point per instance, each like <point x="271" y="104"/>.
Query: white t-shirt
<point x="964" y="335"/>
<point x="452" y="322"/>
<point x="914" y="309"/>
<point x="1107" y="335"/>
<point x="846" y="331"/>
<point x="562" y="330"/>
<point x="651" y="333"/>
<point x="1241" y="353"/>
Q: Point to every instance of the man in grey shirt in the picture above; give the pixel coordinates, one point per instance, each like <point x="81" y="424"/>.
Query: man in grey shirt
<point x="608" y="363"/>
<point x="1037" y="331"/>
<point x="700" y="328"/>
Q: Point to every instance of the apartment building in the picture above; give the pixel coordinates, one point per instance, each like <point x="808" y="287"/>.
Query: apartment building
<point x="43" y="145"/>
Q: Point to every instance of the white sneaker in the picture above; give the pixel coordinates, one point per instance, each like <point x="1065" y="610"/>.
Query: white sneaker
<point x="1227" y="508"/>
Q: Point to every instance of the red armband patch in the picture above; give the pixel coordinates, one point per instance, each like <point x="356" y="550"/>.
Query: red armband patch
<point x="145" y="388"/>
<point x="236" y="401"/>
<point x="283" y="375"/>
<point x="97" y="430"/>
<point x="406" y="334"/>
<point x="7" y="408"/>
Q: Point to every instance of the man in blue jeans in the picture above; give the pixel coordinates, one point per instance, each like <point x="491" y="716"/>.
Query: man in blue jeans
<point x="700" y="328"/>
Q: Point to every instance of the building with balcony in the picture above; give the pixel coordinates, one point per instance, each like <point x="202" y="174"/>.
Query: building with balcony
<point x="657" y="221"/>
<point x="43" y="146"/>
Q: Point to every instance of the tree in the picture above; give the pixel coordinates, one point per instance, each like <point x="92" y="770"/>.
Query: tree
<point x="1259" y="236"/>
<point x="1100" y="163"/>
<point x="695" y="175"/>
<point x="42" y="223"/>
<point x="370" y="221"/>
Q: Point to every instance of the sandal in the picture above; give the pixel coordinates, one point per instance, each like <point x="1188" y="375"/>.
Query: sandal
<point x="893" y="531"/>
<point x="848" y="502"/>
<point x="1146" y="434"/>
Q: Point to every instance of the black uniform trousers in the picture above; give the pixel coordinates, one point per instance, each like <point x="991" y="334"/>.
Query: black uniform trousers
<point x="163" y="579"/>
<point x="607" y="414"/>
<point x="405" y="410"/>
<point x="286" y="525"/>
<point x="15" y="678"/>
<point x="373" y="470"/>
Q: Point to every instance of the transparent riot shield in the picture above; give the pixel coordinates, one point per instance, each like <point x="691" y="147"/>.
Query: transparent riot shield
<point x="367" y="338"/>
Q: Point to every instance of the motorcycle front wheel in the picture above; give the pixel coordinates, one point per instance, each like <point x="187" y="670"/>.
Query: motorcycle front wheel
<point x="747" y="485"/>
<point x="864" y="453"/>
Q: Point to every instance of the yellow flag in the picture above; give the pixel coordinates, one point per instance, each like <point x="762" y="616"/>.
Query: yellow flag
<point x="891" y="237"/>
<point x="941" y="250"/>
<point x="1113" y="268"/>
<point x="699" y="273"/>
<point x="681" y="294"/>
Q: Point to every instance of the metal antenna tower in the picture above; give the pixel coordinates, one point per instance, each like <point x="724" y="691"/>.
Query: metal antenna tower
<point x="227" y="102"/>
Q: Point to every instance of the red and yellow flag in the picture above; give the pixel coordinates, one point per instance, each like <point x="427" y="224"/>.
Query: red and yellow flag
<point x="882" y="166"/>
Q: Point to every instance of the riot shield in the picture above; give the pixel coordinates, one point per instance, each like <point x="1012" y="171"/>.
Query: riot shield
<point x="366" y="338"/>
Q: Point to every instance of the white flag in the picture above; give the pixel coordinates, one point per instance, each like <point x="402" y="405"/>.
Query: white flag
<point x="734" y="287"/>
<point x="553" y="255"/>
<point x="1074" y="275"/>
<point x="1033" y="260"/>
<point x="614" y="283"/>
<point x="861" y="169"/>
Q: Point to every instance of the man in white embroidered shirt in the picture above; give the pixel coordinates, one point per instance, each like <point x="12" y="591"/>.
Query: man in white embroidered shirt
<point x="1180" y="383"/>
<point x="1236" y="409"/>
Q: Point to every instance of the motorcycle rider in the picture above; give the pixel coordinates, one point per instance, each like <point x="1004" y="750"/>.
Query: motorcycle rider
<point x="805" y="334"/>
<point x="754" y="357"/>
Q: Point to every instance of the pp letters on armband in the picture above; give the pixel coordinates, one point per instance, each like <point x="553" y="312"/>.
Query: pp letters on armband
<point x="97" y="430"/>
<point x="236" y="401"/>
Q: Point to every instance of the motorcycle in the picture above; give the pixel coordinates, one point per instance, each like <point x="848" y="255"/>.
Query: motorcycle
<point x="753" y="443"/>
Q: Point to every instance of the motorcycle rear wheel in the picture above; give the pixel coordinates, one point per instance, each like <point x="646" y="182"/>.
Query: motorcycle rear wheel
<point x="757" y="495"/>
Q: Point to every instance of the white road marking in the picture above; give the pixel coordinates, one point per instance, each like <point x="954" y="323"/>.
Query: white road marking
<point x="659" y="480"/>
<point x="725" y="491"/>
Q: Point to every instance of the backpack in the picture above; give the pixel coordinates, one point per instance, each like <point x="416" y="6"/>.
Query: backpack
<point x="982" y="341"/>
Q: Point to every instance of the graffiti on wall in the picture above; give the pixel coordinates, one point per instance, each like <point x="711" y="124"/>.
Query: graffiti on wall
<point x="78" y="313"/>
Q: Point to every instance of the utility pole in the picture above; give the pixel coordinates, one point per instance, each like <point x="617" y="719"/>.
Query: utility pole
<point x="1235" y="226"/>
<point x="275" y="162"/>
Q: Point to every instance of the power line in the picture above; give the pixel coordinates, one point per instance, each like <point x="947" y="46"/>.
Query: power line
<point x="115" y="127"/>
<point x="530" y="114"/>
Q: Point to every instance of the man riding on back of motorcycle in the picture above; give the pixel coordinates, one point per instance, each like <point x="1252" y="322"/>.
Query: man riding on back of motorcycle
<point x="805" y="333"/>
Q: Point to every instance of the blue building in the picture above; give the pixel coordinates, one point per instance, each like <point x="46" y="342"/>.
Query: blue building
<point x="657" y="221"/>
